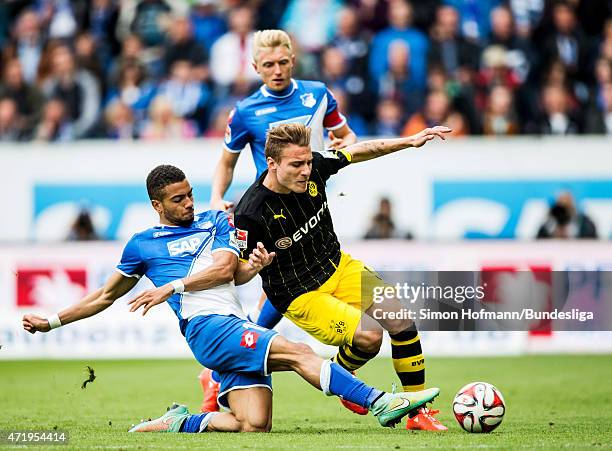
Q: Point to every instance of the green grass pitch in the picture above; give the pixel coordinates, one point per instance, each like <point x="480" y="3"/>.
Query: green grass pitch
<point x="552" y="402"/>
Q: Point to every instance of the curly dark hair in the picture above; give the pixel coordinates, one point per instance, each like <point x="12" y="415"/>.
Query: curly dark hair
<point x="160" y="177"/>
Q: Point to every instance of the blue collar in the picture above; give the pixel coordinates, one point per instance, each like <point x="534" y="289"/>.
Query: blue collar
<point x="279" y="94"/>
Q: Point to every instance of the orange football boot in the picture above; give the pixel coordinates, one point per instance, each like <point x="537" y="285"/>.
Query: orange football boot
<point x="211" y="391"/>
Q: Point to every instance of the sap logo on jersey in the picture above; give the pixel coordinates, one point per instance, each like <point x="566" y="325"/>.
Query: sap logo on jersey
<point x="188" y="245"/>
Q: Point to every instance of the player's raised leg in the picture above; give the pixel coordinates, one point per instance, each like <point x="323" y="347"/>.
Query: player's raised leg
<point x="408" y="360"/>
<point x="332" y="379"/>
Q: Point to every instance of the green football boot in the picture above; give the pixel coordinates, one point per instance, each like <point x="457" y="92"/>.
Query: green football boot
<point x="171" y="421"/>
<point x="392" y="407"/>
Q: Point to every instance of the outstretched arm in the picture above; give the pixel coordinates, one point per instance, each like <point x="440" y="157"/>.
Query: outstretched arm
<point x="258" y="259"/>
<point x="116" y="286"/>
<point x="219" y="273"/>
<point x="224" y="173"/>
<point x="368" y="150"/>
<point x="342" y="137"/>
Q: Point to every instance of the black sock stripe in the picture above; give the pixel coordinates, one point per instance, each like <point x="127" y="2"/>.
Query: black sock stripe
<point x="412" y="378"/>
<point x="362" y="354"/>
<point x="342" y="364"/>
<point x="349" y="359"/>
<point x="403" y="351"/>
<point x="406" y="334"/>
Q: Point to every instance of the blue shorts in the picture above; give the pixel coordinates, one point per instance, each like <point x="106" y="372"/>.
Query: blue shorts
<point x="237" y="349"/>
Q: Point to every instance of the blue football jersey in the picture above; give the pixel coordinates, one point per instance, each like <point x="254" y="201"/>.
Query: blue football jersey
<point x="306" y="102"/>
<point x="164" y="253"/>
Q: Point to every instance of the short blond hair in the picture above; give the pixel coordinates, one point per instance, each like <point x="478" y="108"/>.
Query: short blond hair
<point x="269" y="39"/>
<point x="281" y="136"/>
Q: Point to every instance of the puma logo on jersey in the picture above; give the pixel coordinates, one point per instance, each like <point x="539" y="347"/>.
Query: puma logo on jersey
<point x="281" y="215"/>
<point x="188" y="245"/>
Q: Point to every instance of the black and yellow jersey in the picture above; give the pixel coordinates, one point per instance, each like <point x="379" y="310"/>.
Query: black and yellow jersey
<point x="298" y="227"/>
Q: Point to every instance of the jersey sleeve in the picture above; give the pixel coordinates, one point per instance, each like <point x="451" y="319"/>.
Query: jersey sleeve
<point x="248" y="233"/>
<point x="225" y="234"/>
<point x="236" y="134"/>
<point x="131" y="264"/>
<point x="333" y="119"/>
<point x="329" y="162"/>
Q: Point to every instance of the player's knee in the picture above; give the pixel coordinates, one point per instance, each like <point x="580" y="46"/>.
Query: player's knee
<point x="368" y="341"/>
<point x="262" y="425"/>
<point x="398" y="325"/>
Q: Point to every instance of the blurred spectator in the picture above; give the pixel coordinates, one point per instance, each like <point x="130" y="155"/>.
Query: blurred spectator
<point x="235" y="73"/>
<point x="450" y="50"/>
<point x="599" y="118"/>
<point x="150" y="21"/>
<point x="77" y="88"/>
<point x="131" y="50"/>
<point x="499" y="117"/>
<point x="495" y="71"/>
<point x="357" y="122"/>
<point x="60" y="18"/>
<point x="396" y="82"/>
<point x="134" y="90"/>
<point x="555" y="118"/>
<point x="567" y="43"/>
<point x="165" y="124"/>
<point x="28" y="98"/>
<point x="55" y="124"/>
<point x="527" y="14"/>
<point x="82" y="229"/>
<point x="518" y="51"/>
<point x="311" y="22"/>
<point x="10" y="127"/>
<point x="218" y="124"/>
<point x="270" y="13"/>
<point x="437" y="111"/>
<point x="87" y="57"/>
<point x="181" y="45"/>
<point x="382" y="226"/>
<point x="28" y="43"/>
<point x="101" y="21"/>
<point x="4" y="23"/>
<point x="353" y="44"/>
<point x="373" y="14"/>
<point x="208" y="24"/>
<point x="565" y="222"/>
<point x="474" y="14"/>
<point x="335" y="74"/>
<point x="389" y="118"/>
<point x="188" y="96"/>
<point x="119" y="122"/>
<point x="400" y="20"/>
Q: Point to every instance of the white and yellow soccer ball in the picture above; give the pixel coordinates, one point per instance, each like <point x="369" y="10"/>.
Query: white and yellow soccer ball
<point x="479" y="407"/>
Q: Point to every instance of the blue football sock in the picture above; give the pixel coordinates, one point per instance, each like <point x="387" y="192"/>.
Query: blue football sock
<point x="215" y="377"/>
<point x="335" y="380"/>
<point x="269" y="316"/>
<point x="196" y="423"/>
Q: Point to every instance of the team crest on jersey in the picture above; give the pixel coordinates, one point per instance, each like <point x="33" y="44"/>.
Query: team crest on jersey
<point x="242" y="237"/>
<point x="312" y="189"/>
<point x="308" y="100"/>
<point x="188" y="245"/>
<point x="283" y="243"/>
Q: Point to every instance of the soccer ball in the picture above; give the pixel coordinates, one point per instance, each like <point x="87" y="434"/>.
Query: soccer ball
<point x="479" y="407"/>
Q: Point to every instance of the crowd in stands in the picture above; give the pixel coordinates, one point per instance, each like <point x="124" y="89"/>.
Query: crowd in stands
<point x="155" y="69"/>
